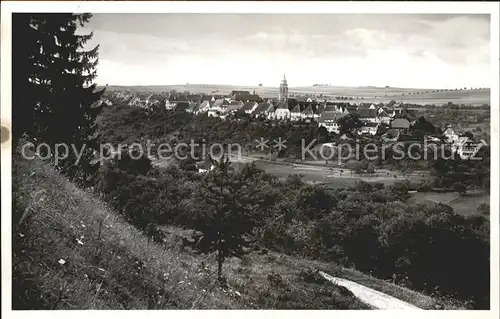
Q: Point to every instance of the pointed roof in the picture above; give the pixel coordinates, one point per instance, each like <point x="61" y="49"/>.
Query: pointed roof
<point x="345" y="137"/>
<point x="367" y="113"/>
<point x="382" y="112"/>
<point x="296" y="109"/>
<point x="248" y="106"/>
<point x="220" y="102"/>
<point x="331" y="116"/>
<point x="205" y="104"/>
<point x="404" y="113"/>
<point x="235" y="106"/>
<point x="195" y="107"/>
<point x="365" y="105"/>
<point x="282" y="106"/>
<point x="263" y="107"/>
<point x="308" y="110"/>
<point x="284" y="78"/>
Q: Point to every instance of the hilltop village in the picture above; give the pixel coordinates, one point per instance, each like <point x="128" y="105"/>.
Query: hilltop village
<point x="386" y="121"/>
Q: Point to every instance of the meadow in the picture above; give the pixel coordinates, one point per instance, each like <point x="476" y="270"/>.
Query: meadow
<point x="465" y="204"/>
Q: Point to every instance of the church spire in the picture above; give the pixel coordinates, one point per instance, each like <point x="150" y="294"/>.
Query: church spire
<point x="283" y="92"/>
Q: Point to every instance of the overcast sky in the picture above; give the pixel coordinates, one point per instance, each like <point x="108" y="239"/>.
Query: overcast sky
<point x="417" y="51"/>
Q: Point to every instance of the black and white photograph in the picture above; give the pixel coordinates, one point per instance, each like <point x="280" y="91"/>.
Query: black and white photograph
<point x="200" y="156"/>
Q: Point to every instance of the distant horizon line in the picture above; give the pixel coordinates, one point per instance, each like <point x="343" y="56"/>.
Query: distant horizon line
<point x="291" y="87"/>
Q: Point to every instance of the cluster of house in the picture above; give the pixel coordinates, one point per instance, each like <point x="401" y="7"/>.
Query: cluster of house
<point x="138" y="100"/>
<point x="326" y="113"/>
<point x="461" y="144"/>
<point x="214" y="105"/>
<point x="371" y="117"/>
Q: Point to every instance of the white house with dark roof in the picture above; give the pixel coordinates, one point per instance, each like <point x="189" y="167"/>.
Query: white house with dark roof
<point x="170" y="105"/>
<point x="329" y="120"/>
<point x="308" y="113"/>
<point x="295" y="113"/>
<point x="281" y="111"/>
<point x="451" y="135"/>
<point x="191" y="107"/>
<point x="218" y="107"/>
<point x="263" y="110"/>
<point x="233" y="107"/>
<point x="213" y="113"/>
<point x="249" y="107"/>
<point x="385" y="115"/>
<point x="366" y="106"/>
<point x="270" y="113"/>
<point x="369" y="128"/>
<point x="204" y="107"/>
<point x="368" y="115"/>
<point x="466" y="148"/>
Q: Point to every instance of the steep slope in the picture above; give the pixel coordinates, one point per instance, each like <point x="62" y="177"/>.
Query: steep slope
<point x="71" y="251"/>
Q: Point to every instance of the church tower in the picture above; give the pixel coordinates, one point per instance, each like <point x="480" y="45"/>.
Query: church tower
<point x="283" y="94"/>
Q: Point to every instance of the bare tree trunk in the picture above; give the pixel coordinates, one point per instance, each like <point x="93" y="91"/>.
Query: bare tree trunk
<point x="220" y="260"/>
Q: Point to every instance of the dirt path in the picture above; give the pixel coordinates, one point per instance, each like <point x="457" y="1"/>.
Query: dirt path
<point x="374" y="298"/>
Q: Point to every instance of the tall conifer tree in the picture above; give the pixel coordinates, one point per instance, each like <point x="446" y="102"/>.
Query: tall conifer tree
<point x="54" y="97"/>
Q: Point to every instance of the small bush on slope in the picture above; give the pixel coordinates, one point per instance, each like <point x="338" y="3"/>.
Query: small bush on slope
<point x="60" y="261"/>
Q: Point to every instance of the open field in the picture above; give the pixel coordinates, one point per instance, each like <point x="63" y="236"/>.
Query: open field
<point x="465" y="205"/>
<point x="359" y="94"/>
<point x="332" y="177"/>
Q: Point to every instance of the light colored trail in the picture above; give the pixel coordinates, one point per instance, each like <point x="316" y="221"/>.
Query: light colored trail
<point x="374" y="298"/>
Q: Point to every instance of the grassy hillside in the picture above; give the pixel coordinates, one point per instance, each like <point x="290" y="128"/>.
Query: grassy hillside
<point x="71" y="251"/>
